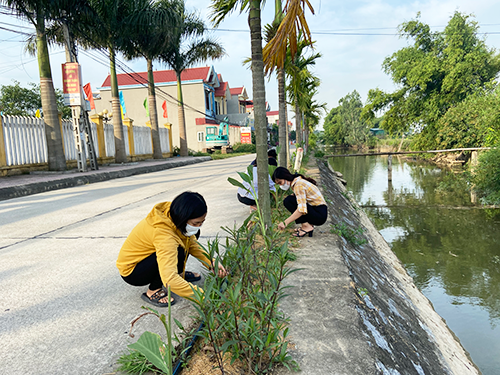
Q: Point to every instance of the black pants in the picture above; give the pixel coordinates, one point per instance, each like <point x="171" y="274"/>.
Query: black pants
<point x="146" y="272"/>
<point x="316" y="215"/>
<point x="245" y="200"/>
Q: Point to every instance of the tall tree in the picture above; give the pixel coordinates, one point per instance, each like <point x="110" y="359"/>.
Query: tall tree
<point x="179" y="56"/>
<point x="435" y="73"/>
<point x="270" y="33"/>
<point x="221" y="8"/>
<point x="38" y="12"/>
<point x="149" y="38"/>
<point x="294" y="18"/>
<point x="108" y="25"/>
<point x="299" y="78"/>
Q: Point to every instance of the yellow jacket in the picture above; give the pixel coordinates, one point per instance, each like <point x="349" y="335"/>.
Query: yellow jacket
<point x="157" y="233"/>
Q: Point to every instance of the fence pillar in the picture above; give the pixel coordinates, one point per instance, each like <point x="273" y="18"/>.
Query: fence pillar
<point x="101" y="141"/>
<point x="59" y="115"/>
<point x="3" y="157"/>
<point x="169" y="127"/>
<point x="129" y="123"/>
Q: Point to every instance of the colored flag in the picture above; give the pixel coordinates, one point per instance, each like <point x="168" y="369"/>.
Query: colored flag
<point x="145" y="104"/>
<point x="37" y="114"/>
<point x="122" y="103"/>
<point x="88" y="92"/>
<point x="164" y="106"/>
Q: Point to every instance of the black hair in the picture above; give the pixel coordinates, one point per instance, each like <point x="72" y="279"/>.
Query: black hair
<point x="284" y="174"/>
<point x="187" y="206"/>
<point x="272" y="153"/>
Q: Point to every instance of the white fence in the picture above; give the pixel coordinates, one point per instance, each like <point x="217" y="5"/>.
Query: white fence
<point x="25" y="142"/>
<point x="24" y="139"/>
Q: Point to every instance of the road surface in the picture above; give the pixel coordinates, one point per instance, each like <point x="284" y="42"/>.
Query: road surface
<point x="63" y="307"/>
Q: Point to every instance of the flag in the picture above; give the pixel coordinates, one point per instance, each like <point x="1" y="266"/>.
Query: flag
<point x="88" y="92"/>
<point x="122" y="103"/>
<point x="164" y="106"/>
<point x="145" y="104"/>
<point x="37" y="114"/>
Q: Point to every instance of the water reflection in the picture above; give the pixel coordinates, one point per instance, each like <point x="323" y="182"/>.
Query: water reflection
<point x="450" y="247"/>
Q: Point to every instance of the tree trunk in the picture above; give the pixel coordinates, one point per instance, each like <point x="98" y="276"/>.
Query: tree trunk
<point x="259" y="99"/>
<point x="181" y="117"/>
<point x="53" y="132"/>
<point x="282" y="123"/>
<point x="153" y="115"/>
<point x="298" y="125"/>
<point x="306" y="133"/>
<point x="120" y="154"/>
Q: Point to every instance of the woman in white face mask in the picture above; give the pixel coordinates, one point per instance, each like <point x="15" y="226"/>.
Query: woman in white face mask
<point x="306" y="205"/>
<point x="156" y="251"/>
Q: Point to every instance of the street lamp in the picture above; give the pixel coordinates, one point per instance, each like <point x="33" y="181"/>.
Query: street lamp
<point x="106" y="116"/>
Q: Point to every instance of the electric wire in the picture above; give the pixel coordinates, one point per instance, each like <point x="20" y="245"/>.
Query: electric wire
<point x="162" y="94"/>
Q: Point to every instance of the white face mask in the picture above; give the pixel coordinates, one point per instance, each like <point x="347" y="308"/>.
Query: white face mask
<point x="285" y="186"/>
<point x="190" y="230"/>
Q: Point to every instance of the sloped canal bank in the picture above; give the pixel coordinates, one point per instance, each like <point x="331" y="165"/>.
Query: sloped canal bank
<point x="450" y="247"/>
<point x="353" y="308"/>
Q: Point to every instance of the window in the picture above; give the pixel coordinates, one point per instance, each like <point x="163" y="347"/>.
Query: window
<point x="200" y="137"/>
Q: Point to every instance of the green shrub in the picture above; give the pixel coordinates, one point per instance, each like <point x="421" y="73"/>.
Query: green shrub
<point x="244" y="147"/>
<point x="487" y="177"/>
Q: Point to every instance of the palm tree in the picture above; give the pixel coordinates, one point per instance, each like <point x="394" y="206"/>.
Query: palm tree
<point x="294" y="16"/>
<point x="108" y="25"/>
<point x="150" y="42"/>
<point x="180" y="57"/>
<point x="299" y="78"/>
<point x="270" y="33"/>
<point x="38" y="12"/>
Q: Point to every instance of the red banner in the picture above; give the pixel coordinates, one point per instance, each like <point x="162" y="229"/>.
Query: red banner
<point x="88" y="91"/>
<point x="71" y="83"/>
<point x="164" y="106"/>
<point x="246" y="135"/>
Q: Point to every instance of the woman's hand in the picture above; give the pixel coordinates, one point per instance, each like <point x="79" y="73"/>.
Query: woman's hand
<point x="282" y="225"/>
<point x="222" y="271"/>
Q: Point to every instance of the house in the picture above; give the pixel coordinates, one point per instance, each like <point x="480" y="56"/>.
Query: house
<point x="207" y="100"/>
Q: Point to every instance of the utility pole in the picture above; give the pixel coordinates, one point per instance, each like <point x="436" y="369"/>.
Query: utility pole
<point x="73" y="96"/>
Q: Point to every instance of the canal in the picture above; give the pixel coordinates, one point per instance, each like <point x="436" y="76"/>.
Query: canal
<point x="449" y="246"/>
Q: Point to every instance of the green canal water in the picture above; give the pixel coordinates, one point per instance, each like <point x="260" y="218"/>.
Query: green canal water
<point x="449" y="246"/>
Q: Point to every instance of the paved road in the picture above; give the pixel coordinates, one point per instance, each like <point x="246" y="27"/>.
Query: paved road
<point x="63" y="307"/>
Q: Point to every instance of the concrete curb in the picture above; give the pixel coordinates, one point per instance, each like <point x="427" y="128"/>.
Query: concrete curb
<point x="60" y="181"/>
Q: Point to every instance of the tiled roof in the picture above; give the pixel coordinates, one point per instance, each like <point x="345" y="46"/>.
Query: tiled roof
<point x="236" y="91"/>
<point x="221" y="90"/>
<point x="160" y="76"/>
<point x="272" y="113"/>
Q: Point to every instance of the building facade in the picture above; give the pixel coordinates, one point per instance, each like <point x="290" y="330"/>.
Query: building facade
<point x="206" y="101"/>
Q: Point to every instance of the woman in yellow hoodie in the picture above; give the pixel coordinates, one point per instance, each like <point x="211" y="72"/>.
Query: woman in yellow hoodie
<point x="156" y="251"/>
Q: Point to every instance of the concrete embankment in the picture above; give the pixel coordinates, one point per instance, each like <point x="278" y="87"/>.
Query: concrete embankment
<point x="355" y="310"/>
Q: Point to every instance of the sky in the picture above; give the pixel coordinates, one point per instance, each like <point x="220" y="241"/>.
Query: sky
<point x="353" y="37"/>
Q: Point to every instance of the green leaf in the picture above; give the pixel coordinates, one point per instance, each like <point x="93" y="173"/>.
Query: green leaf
<point x="245" y="177"/>
<point x="234" y="182"/>
<point x="153" y="348"/>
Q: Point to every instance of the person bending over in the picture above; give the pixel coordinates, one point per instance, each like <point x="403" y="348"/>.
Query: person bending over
<point x="306" y="205"/>
<point x="246" y="196"/>
<point x="156" y="251"/>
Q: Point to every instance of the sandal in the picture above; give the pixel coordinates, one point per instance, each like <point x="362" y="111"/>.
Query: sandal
<point x="190" y="277"/>
<point x="156" y="297"/>
<point x="298" y="233"/>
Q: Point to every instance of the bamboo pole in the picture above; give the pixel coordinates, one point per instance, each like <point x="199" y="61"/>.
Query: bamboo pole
<point x="409" y="152"/>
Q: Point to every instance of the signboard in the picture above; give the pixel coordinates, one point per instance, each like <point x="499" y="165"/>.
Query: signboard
<point x="71" y="83"/>
<point x="246" y="135"/>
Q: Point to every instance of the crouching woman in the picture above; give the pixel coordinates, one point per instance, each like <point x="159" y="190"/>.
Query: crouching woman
<point x="156" y="251"/>
<point x="306" y="205"/>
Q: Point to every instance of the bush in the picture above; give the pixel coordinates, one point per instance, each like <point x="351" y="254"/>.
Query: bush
<point x="487" y="176"/>
<point x="244" y="147"/>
